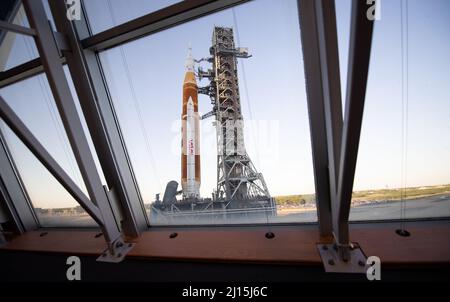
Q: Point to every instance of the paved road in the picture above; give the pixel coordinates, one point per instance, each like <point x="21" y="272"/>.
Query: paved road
<point x="434" y="206"/>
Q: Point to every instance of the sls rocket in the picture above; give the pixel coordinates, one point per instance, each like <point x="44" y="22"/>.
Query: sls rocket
<point x="190" y="142"/>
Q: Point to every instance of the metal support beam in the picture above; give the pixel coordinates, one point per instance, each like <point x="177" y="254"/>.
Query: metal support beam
<point x="23" y="71"/>
<point x="97" y="106"/>
<point x="331" y="86"/>
<point x="16" y="28"/>
<point x="16" y="211"/>
<point x="48" y="52"/>
<point x="13" y="10"/>
<point x="167" y="17"/>
<point x="358" y="67"/>
<point x="173" y="15"/>
<point x="315" y="98"/>
<point x="331" y="138"/>
<point x="14" y="198"/>
<point x="29" y="140"/>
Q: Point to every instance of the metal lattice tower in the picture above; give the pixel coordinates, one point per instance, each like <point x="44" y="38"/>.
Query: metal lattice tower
<point x="237" y="178"/>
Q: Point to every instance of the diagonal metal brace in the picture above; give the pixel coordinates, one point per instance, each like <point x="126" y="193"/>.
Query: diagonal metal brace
<point x="116" y="250"/>
<point x="33" y="144"/>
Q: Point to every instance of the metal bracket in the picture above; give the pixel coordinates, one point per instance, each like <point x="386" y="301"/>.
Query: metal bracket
<point x="333" y="262"/>
<point x="62" y="44"/>
<point x="116" y="252"/>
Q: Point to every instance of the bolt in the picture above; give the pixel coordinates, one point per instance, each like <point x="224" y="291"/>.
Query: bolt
<point x="325" y="248"/>
<point x="331" y="262"/>
<point x="361" y="263"/>
<point x="104" y="255"/>
<point x="403" y="233"/>
<point x="119" y="255"/>
<point x="119" y="244"/>
<point x="270" y="235"/>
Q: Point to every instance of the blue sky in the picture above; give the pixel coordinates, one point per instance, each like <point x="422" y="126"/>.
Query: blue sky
<point x="273" y="98"/>
<point x="428" y="137"/>
<point x="275" y="92"/>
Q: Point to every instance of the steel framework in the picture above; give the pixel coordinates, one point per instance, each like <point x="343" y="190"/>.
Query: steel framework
<point x="237" y="178"/>
<point x="334" y="141"/>
<point x="335" y="150"/>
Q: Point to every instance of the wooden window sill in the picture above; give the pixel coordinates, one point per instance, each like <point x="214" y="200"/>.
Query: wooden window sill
<point x="428" y="244"/>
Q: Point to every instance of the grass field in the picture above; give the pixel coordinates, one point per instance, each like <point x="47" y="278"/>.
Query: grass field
<point x="370" y="195"/>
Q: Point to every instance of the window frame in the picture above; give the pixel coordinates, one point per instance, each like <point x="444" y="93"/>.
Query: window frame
<point x="329" y="135"/>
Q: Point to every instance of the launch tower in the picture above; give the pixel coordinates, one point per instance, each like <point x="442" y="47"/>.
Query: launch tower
<point x="237" y="178"/>
<point x="241" y="191"/>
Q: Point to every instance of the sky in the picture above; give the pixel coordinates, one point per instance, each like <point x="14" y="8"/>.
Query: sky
<point x="145" y="81"/>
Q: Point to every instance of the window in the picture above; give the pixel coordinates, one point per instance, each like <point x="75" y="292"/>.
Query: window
<point x="405" y="120"/>
<point x="343" y="16"/>
<point x="16" y="48"/>
<point x="403" y="168"/>
<point x="145" y="79"/>
<point x="104" y="14"/>
<point x="33" y="102"/>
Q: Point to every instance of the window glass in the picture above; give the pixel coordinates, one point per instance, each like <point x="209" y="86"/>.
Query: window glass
<point x="343" y="18"/>
<point x="104" y="14"/>
<point x="403" y="168"/>
<point x="16" y="49"/>
<point x="145" y="79"/>
<point x="32" y="101"/>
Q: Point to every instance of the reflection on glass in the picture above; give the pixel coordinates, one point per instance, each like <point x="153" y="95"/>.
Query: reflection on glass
<point x="104" y="14"/>
<point x="403" y="168"/>
<point x="145" y="78"/>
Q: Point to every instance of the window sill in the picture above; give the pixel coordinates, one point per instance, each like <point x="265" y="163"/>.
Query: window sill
<point x="296" y="245"/>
